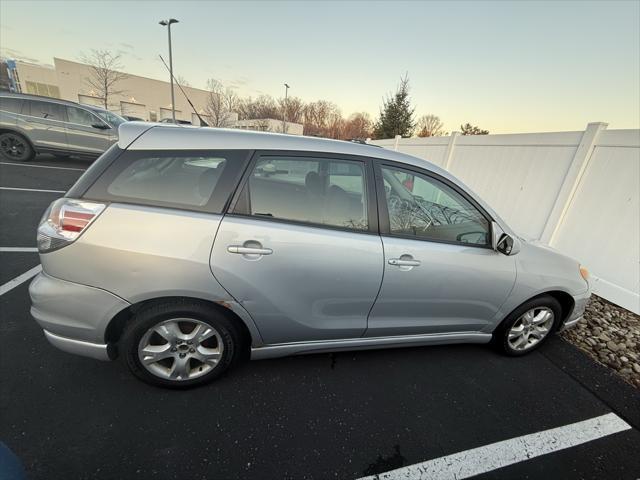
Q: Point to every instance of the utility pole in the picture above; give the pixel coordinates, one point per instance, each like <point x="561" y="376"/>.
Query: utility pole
<point x="167" y="23"/>
<point x="284" y="113"/>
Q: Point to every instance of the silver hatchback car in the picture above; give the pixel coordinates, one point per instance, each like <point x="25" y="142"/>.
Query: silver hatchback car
<point x="181" y="249"/>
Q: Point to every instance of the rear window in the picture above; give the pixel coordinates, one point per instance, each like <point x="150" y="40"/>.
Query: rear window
<point x="200" y="181"/>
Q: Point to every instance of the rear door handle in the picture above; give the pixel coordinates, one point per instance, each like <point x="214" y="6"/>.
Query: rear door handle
<point x="399" y="262"/>
<point x="248" y="250"/>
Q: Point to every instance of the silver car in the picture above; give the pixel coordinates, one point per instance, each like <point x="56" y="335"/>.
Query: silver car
<point x="182" y="249"/>
<point x="30" y="124"/>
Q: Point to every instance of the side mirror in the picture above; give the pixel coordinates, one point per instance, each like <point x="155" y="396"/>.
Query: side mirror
<point x="100" y="126"/>
<point x="503" y="242"/>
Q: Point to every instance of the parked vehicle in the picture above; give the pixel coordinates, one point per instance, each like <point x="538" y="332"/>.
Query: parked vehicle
<point x="30" y="124"/>
<point x="177" y="121"/>
<point x="182" y="249"/>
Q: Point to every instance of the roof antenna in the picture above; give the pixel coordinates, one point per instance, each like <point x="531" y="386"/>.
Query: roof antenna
<point x="202" y="122"/>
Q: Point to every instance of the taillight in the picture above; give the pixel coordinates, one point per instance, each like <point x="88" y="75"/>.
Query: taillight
<point x="64" y="221"/>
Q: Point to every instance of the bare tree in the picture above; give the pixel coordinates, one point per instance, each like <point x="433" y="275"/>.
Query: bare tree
<point x="262" y="107"/>
<point x="430" y="126"/>
<point x="183" y="82"/>
<point x="104" y="74"/>
<point x="357" y="126"/>
<point x="221" y="103"/>
<point x="294" y="109"/>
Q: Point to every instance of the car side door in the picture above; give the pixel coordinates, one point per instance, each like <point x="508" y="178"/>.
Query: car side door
<point x="441" y="274"/>
<point x="46" y="125"/>
<point x="299" y="248"/>
<point x="86" y="132"/>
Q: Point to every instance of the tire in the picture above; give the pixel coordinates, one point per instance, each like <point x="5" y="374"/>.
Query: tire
<point x="537" y="319"/>
<point x="16" y="148"/>
<point x="172" y="360"/>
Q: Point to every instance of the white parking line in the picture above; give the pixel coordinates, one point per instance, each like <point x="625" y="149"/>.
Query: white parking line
<point x="501" y="454"/>
<point x="18" y="249"/>
<point x="11" y="284"/>
<point x="32" y="190"/>
<point x="41" y="166"/>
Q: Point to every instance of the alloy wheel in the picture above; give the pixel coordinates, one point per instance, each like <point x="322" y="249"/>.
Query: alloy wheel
<point x="530" y="328"/>
<point x="14" y="147"/>
<point x="180" y="349"/>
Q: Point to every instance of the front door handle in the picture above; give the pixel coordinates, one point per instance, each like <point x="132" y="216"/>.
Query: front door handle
<point x="248" y="250"/>
<point x="404" y="262"/>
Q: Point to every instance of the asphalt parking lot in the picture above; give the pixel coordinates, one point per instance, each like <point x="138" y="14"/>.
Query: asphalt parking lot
<point x="346" y="416"/>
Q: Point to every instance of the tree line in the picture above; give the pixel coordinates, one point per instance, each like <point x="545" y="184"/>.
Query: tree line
<point x="320" y="118"/>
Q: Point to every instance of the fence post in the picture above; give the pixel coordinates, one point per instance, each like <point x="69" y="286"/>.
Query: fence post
<point x="395" y="144"/>
<point x="449" y="153"/>
<point x="571" y="181"/>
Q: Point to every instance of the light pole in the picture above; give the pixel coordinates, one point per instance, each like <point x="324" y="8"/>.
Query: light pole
<point x="167" y="23"/>
<point x="284" y="113"/>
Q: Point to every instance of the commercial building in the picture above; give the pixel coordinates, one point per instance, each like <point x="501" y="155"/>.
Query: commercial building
<point x="140" y="97"/>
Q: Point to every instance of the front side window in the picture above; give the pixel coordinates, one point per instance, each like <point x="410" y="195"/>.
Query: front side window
<point x="184" y="180"/>
<point x="310" y="190"/>
<point x="423" y="207"/>
<point x="81" y="117"/>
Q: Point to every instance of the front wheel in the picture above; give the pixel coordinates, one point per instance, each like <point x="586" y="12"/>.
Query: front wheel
<point x="15" y="147"/>
<point x="528" y="326"/>
<point x="180" y="344"/>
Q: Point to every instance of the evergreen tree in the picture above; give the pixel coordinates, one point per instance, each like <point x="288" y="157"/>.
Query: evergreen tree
<point x="469" y="129"/>
<point x="396" y="114"/>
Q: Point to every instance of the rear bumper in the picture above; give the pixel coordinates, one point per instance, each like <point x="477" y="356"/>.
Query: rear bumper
<point x="78" y="347"/>
<point x="74" y="316"/>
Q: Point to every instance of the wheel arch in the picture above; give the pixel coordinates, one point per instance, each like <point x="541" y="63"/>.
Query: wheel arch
<point x="18" y="131"/>
<point x="565" y="300"/>
<point x="117" y="324"/>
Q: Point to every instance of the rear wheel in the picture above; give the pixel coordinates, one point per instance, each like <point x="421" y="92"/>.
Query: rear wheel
<point x="180" y="344"/>
<point x="15" y="147"/>
<point x="528" y="326"/>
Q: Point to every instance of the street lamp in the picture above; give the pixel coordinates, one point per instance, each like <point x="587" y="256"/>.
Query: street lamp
<point x="167" y="23"/>
<point x="284" y="113"/>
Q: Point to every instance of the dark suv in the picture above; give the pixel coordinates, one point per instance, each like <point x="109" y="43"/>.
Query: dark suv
<point x="30" y="124"/>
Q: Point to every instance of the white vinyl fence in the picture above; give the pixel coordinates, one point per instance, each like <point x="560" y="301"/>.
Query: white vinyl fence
<point x="576" y="191"/>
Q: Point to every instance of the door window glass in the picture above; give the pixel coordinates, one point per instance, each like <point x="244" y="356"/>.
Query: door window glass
<point x="81" y="117"/>
<point x="176" y="180"/>
<point x="11" y="104"/>
<point x="48" y="110"/>
<point x="311" y="190"/>
<point x="424" y="207"/>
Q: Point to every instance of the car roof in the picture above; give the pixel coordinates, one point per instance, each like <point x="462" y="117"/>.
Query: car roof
<point x="42" y="98"/>
<point x="166" y="136"/>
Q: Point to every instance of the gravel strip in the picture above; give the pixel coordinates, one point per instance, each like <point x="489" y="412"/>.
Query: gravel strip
<point x="611" y="335"/>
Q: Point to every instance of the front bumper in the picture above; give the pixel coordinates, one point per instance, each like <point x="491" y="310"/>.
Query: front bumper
<point x="74" y="316"/>
<point x="580" y="303"/>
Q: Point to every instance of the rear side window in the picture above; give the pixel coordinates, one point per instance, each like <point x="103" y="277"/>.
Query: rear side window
<point x="200" y="181"/>
<point x="45" y="110"/>
<point x="10" y="104"/>
<point x="310" y="190"/>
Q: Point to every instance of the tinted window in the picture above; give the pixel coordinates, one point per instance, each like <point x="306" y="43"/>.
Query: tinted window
<point x="81" y="117"/>
<point x="424" y="207"/>
<point x="48" y="110"/>
<point x="311" y="190"/>
<point x="184" y="180"/>
<point x="10" y="104"/>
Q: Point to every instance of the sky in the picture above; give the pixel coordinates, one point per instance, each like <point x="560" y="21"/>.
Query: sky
<point x="506" y="66"/>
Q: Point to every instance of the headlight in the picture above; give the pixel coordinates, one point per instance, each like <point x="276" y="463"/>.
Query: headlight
<point x="584" y="273"/>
